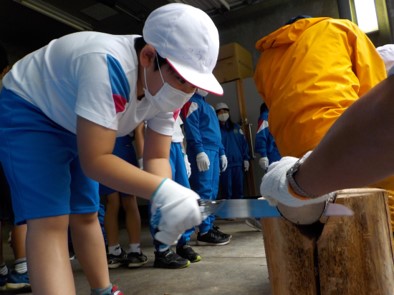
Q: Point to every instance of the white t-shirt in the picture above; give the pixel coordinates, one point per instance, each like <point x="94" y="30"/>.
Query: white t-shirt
<point x="178" y="133"/>
<point x="89" y="74"/>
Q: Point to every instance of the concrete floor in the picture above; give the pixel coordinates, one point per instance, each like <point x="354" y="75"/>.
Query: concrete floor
<point x="237" y="268"/>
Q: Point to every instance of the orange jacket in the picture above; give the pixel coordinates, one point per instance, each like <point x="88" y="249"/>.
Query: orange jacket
<point x="309" y="73"/>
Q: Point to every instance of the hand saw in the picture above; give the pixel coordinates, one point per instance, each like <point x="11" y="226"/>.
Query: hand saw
<point x="257" y="208"/>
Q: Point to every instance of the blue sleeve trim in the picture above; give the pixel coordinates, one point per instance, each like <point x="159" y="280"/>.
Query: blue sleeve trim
<point x="157" y="189"/>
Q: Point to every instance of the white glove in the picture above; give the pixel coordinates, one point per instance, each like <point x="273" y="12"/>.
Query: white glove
<point x="223" y="162"/>
<point x="174" y="209"/>
<point x="274" y="186"/>
<point x="263" y="162"/>
<point x="187" y="165"/>
<point x="141" y="163"/>
<point x="202" y="162"/>
<point x="246" y="166"/>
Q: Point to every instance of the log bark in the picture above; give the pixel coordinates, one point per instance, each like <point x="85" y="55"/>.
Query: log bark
<point x="346" y="255"/>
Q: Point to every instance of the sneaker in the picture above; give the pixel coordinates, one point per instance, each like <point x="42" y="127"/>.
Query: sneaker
<point x="215" y="228"/>
<point x="116" y="291"/>
<point x="3" y="282"/>
<point x="114" y="261"/>
<point x="18" y="281"/>
<point x="213" y="238"/>
<point x="134" y="259"/>
<point x="253" y="223"/>
<point x="188" y="253"/>
<point x="169" y="259"/>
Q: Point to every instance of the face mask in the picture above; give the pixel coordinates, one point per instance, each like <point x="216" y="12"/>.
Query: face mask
<point x="203" y="93"/>
<point x="167" y="99"/>
<point x="223" y="117"/>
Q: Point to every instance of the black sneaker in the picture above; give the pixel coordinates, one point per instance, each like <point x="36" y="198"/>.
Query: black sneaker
<point x="135" y="259"/>
<point x="215" y="228"/>
<point x="114" y="261"/>
<point x="169" y="259"/>
<point x="212" y="238"/>
<point x="188" y="253"/>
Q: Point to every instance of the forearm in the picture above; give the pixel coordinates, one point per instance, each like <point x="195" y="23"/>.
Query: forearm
<point x="158" y="166"/>
<point x="118" y="174"/>
<point x="357" y="150"/>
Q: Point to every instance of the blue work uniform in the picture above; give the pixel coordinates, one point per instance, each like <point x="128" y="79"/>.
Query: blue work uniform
<point x="265" y="143"/>
<point x="202" y="134"/>
<point x="237" y="151"/>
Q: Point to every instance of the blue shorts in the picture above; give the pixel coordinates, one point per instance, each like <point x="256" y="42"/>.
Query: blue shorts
<point x="41" y="163"/>
<point x="124" y="149"/>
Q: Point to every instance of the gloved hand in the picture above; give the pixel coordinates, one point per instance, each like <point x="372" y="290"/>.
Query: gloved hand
<point x="275" y="188"/>
<point x="202" y="162"/>
<point x="174" y="209"/>
<point x="246" y="165"/>
<point x="187" y="164"/>
<point x="223" y="163"/>
<point x="141" y="163"/>
<point x="263" y="162"/>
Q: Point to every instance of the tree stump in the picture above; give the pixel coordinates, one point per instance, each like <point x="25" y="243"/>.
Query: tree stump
<point x="344" y="256"/>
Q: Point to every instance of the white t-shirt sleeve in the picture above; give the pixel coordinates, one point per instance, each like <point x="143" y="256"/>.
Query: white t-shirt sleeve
<point x="162" y="123"/>
<point x="103" y="89"/>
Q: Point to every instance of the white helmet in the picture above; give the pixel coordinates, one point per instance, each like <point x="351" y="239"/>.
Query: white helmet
<point x="221" y="105"/>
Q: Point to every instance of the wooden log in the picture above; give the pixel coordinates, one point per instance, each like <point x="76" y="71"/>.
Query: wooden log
<point x="345" y="256"/>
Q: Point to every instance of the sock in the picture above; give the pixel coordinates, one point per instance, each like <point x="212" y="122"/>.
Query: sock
<point x="134" y="248"/>
<point x="115" y="250"/>
<point x="3" y="270"/>
<point x="102" y="291"/>
<point x="20" y="265"/>
<point x="163" y="248"/>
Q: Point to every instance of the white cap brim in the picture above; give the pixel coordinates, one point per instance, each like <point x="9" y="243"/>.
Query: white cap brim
<point x="204" y="81"/>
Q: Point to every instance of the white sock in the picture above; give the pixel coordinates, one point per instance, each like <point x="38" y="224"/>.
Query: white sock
<point x="20" y="265"/>
<point x="115" y="250"/>
<point x="134" y="248"/>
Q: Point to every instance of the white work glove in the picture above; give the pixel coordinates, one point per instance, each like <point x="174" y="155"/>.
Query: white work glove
<point x="174" y="209"/>
<point x="263" y="162"/>
<point x="202" y="162"/>
<point x="141" y="163"/>
<point x="246" y="166"/>
<point x="187" y="165"/>
<point x="275" y="188"/>
<point x="223" y="163"/>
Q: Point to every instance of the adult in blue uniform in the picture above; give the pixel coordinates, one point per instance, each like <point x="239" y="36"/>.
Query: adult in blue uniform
<point x="237" y="152"/>
<point x="265" y="143"/>
<point x="207" y="159"/>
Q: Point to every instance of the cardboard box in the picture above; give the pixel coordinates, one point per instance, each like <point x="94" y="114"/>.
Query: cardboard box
<point x="234" y="62"/>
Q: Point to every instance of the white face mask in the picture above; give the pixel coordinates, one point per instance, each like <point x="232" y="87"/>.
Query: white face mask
<point x="167" y="99"/>
<point x="223" y="117"/>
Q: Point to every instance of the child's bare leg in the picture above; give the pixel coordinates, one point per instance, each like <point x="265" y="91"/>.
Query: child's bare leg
<point x="18" y="241"/>
<point x="47" y="256"/>
<point x="133" y="219"/>
<point x="89" y="247"/>
<point x="111" y="223"/>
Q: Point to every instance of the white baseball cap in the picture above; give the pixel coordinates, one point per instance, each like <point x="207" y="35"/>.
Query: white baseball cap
<point x="387" y="54"/>
<point x="221" y="106"/>
<point x="187" y="37"/>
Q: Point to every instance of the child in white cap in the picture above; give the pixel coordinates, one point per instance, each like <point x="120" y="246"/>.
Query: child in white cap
<point x="62" y="108"/>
